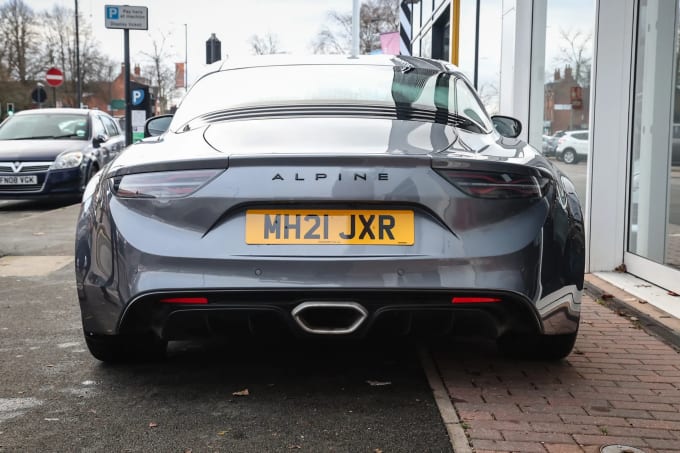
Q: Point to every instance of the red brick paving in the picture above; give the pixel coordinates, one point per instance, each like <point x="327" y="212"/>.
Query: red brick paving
<point x="619" y="386"/>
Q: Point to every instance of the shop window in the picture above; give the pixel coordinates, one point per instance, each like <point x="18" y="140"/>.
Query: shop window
<point x="654" y="210"/>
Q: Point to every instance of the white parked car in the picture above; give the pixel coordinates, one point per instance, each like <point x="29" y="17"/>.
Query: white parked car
<point x="572" y="147"/>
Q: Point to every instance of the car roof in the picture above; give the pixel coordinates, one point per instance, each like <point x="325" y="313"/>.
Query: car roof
<point x="46" y="111"/>
<point x="300" y="60"/>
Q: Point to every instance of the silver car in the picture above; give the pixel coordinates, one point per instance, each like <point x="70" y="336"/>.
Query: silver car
<point x="330" y="197"/>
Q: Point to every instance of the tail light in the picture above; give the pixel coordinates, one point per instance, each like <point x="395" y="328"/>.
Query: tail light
<point x="185" y="300"/>
<point x="561" y="140"/>
<point x="166" y="184"/>
<point x="474" y="300"/>
<point x="496" y="185"/>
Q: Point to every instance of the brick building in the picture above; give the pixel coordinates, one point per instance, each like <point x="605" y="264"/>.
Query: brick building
<point x="566" y="106"/>
<point x="112" y="94"/>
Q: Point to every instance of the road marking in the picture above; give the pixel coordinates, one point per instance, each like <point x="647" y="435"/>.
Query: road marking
<point x="32" y="266"/>
<point x="14" y="407"/>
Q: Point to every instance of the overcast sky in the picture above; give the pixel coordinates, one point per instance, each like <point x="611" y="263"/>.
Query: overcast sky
<point x="295" y="22"/>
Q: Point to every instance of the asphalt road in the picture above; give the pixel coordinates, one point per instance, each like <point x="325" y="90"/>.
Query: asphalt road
<point x="55" y="397"/>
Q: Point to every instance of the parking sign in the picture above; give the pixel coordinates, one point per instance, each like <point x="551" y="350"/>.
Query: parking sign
<point x="112" y="12"/>
<point x="137" y="97"/>
<point x="126" y="17"/>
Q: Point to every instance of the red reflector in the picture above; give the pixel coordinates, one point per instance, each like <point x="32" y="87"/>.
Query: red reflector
<point x="185" y="300"/>
<point x="474" y="300"/>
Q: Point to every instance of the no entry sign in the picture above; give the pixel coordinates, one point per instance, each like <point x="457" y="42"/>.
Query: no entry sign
<point x="54" y="77"/>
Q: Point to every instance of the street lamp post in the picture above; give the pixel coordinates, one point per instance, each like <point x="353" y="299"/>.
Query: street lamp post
<point x="79" y="86"/>
<point x="356" y="8"/>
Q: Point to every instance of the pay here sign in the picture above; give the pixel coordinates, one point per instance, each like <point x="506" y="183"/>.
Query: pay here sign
<point x="126" y="17"/>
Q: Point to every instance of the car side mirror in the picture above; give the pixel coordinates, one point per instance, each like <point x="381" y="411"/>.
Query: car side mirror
<point x="157" y="125"/>
<point x="98" y="140"/>
<point x="507" y="126"/>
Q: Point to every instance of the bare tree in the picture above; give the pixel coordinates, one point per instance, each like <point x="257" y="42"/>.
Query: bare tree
<point x="17" y="25"/>
<point x="575" y="52"/>
<point x="264" y="45"/>
<point x="376" y="17"/>
<point x="162" y="74"/>
<point x="57" y="34"/>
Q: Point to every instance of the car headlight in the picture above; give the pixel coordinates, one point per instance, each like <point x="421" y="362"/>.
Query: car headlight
<point x="67" y="160"/>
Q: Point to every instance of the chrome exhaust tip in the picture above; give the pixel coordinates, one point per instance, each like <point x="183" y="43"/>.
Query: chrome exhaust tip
<point x="329" y="318"/>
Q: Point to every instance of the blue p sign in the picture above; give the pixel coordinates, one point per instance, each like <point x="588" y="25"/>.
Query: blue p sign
<point x="112" y="12"/>
<point x="137" y="97"/>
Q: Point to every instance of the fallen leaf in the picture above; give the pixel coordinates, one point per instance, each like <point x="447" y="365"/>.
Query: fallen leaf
<point x="243" y="392"/>
<point x="642" y="301"/>
<point x="633" y="318"/>
<point x="221" y="433"/>
<point x="40" y="233"/>
<point x="51" y="419"/>
<point x="188" y="450"/>
<point x="620" y="268"/>
<point x="671" y="293"/>
<point x="153" y="425"/>
<point x="292" y="447"/>
<point x="49" y="366"/>
<point x="607" y="296"/>
<point x="378" y="383"/>
<point x="377" y="450"/>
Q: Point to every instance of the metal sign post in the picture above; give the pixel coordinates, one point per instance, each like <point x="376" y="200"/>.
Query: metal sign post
<point x="128" y="97"/>
<point x="126" y="18"/>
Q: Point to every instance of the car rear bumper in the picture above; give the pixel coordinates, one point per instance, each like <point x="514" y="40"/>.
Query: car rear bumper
<point x="392" y="292"/>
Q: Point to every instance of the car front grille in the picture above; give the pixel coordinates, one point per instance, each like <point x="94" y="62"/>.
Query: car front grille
<point x="21" y="188"/>
<point x="24" y="167"/>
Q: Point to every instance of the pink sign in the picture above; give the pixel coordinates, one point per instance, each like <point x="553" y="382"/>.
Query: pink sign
<point x="389" y="42"/>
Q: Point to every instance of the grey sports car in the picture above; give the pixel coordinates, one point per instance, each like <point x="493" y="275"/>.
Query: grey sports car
<point x="330" y="197"/>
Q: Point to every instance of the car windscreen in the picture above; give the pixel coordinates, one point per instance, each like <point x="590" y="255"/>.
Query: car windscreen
<point x="332" y="84"/>
<point x="65" y="126"/>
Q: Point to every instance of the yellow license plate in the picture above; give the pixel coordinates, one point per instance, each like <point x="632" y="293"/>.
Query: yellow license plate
<point x="336" y="226"/>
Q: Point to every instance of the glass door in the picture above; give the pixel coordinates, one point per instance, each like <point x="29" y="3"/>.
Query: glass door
<point x="654" y="179"/>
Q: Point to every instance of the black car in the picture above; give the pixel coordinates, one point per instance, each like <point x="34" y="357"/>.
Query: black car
<point x="50" y="153"/>
<point x="330" y="197"/>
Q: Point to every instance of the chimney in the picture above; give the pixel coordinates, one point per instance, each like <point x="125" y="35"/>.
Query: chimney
<point x="138" y="71"/>
<point x="567" y="73"/>
<point x="122" y="68"/>
<point x="557" y="75"/>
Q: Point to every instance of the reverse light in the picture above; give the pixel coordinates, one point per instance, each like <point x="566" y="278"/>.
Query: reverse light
<point x="185" y="300"/>
<point x="166" y="184"/>
<point x="496" y="185"/>
<point x="69" y="159"/>
<point x="474" y="300"/>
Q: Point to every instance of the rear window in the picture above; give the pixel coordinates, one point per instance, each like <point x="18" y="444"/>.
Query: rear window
<point x="331" y="84"/>
<point x="581" y="135"/>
